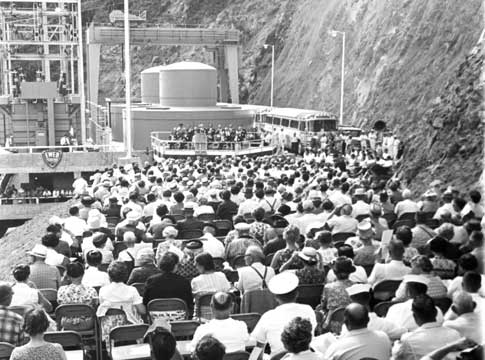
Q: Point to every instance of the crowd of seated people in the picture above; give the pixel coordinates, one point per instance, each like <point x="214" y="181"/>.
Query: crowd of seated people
<point x="337" y="266"/>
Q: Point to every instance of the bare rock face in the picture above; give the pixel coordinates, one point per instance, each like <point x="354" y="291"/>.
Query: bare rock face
<point x="405" y="59"/>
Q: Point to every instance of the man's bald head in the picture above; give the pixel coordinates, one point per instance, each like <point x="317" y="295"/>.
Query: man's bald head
<point x="356" y="316"/>
<point x="463" y="303"/>
<point x="254" y="254"/>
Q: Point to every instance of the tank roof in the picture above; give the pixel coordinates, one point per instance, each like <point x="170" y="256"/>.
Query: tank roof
<point x="188" y="65"/>
<point x="154" y="69"/>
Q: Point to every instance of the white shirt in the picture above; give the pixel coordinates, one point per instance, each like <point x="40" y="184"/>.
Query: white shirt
<point x="75" y="225"/>
<point x="212" y="246"/>
<point x="247" y="207"/>
<point x="54" y="258"/>
<point x="469" y="325"/>
<point x="406" y="206"/>
<point x="360" y="208"/>
<point x="80" y="186"/>
<point x="358" y="344"/>
<point x="24" y="295"/>
<point x="232" y="333"/>
<point x="343" y="224"/>
<point x="476" y="208"/>
<point x="270" y="326"/>
<point x="418" y="343"/>
<point x="203" y="209"/>
<point x="250" y="280"/>
<point x="119" y="295"/>
<point x="215" y="281"/>
<point x="393" y="270"/>
<point x="377" y="323"/>
<point x="338" y="198"/>
<point x="401" y="315"/>
<point x="94" y="278"/>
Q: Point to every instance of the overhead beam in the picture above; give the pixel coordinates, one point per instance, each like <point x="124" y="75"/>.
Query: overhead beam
<point x="110" y="35"/>
<point x="34" y="42"/>
<point x="37" y="57"/>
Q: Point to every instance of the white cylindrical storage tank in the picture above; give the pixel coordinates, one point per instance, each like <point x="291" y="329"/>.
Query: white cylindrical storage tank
<point x="150" y="81"/>
<point x="188" y="84"/>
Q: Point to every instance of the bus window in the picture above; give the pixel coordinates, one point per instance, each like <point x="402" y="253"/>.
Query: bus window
<point x="329" y="125"/>
<point x="294" y="124"/>
<point x="316" y="125"/>
<point x="302" y="126"/>
<point x="285" y="122"/>
<point x="276" y="121"/>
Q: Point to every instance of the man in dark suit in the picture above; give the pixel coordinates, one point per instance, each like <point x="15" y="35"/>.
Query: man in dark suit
<point x="169" y="285"/>
<point x="190" y="222"/>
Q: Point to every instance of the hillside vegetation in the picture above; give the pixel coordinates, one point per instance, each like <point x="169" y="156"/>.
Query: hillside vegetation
<point x="403" y="61"/>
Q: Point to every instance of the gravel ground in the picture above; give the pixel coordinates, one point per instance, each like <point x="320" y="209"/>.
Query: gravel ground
<point x="17" y="242"/>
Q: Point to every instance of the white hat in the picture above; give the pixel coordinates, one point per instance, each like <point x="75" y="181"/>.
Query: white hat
<point x="189" y="205"/>
<point x="39" y="250"/>
<point x="56" y="220"/>
<point x="314" y="194"/>
<point x="358" y="288"/>
<point x="242" y="226"/>
<point x="93" y="222"/>
<point x="308" y="205"/>
<point x="308" y="254"/>
<point x="133" y="216"/>
<point x="415" y="278"/>
<point x="283" y="283"/>
<point x="364" y="226"/>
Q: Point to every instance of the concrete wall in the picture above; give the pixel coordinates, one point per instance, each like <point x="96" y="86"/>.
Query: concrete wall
<point x="71" y="162"/>
<point x="147" y="120"/>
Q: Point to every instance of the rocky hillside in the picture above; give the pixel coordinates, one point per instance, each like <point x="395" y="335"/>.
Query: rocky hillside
<point x="405" y="60"/>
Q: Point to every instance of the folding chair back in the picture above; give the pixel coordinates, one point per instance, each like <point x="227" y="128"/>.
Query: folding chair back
<point x="118" y="246"/>
<point x="310" y="294"/>
<point x="222" y="227"/>
<point x="68" y="339"/>
<point x="390" y="218"/>
<point x="359" y="218"/>
<point x="382" y="308"/>
<point x="443" y="303"/>
<point x="5" y="350"/>
<point x="405" y="222"/>
<point x="202" y="305"/>
<point x="88" y="328"/>
<point x="140" y="287"/>
<point x="190" y="234"/>
<point x="170" y="309"/>
<point x="251" y="319"/>
<point x="341" y="237"/>
<point x="238" y="262"/>
<point x="51" y="296"/>
<point x="268" y="259"/>
<point x="206" y="217"/>
<point x="184" y="329"/>
<point x="178" y="217"/>
<point x="336" y="320"/>
<point x="238" y="355"/>
<point x="407" y="216"/>
<point x="385" y="290"/>
<point x="127" y="333"/>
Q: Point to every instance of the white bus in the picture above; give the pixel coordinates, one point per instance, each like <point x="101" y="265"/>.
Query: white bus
<point x="305" y="123"/>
